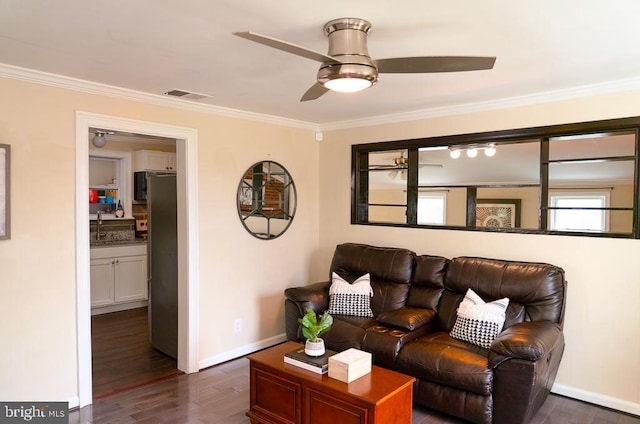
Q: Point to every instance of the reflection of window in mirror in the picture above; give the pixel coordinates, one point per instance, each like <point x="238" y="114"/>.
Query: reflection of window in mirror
<point x="585" y="211"/>
<point x="432" y="208"/>
<point x="592" y="177"/>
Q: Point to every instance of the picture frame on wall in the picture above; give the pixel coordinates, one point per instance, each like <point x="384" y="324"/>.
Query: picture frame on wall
<point x="5" y="156"/>
<point x="498" y="213"/>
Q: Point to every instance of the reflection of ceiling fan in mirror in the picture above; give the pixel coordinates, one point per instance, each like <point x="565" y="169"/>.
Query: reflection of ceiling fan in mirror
<point x="347" y="67"/>
<point x="400" y="165"/>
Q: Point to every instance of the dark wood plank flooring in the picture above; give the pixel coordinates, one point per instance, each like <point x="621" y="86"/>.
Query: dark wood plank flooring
<point x="122" y="356"/>
<point x="220" y="395"/>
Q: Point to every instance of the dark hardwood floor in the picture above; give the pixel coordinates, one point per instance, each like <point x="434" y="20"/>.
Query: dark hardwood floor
<point x="220" y="394"/>
<point x="122" y="356"/>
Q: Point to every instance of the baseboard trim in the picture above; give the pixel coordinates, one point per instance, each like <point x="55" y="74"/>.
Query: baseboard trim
<point x="241" y="351"/>
<point x="119" y="307"/>
<point x="74" y="402"/>
<point x="597" y="399"/>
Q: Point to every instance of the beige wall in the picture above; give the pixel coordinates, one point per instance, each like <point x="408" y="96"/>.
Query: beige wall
<point x="602" y="357"/>
<point x="240" y="276"/>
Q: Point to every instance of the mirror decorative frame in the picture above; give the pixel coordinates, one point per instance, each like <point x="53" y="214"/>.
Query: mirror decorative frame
<point x="266" y="200"/>
<point x="365" y="202"/>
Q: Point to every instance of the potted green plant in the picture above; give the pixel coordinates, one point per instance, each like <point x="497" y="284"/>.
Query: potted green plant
<point x="312" y="329"/>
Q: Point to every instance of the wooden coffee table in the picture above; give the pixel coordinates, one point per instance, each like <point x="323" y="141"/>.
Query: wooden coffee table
<point x="283" y="393"/>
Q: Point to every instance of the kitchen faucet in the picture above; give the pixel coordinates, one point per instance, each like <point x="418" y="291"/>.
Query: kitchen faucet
<point x="98" y="226"/>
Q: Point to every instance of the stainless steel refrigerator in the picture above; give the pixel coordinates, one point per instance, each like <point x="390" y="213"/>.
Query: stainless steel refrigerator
<point x="162" y="249"/>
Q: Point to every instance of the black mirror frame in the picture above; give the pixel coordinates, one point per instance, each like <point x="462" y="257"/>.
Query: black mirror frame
<point x="255" y="209"/>
<point x="359" y="172"/>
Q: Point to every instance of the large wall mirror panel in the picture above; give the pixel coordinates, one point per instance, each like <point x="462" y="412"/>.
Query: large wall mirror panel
<point x="575" y="179"/>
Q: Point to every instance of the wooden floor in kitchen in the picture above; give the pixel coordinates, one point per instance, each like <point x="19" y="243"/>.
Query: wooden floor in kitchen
<point x="122" y="357"/>
<point x="220" y="394"/>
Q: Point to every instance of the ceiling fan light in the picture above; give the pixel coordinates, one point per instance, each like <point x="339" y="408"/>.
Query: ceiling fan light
<point x="348" y="84"/>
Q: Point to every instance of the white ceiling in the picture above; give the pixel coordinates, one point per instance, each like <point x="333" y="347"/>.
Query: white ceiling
<point x="552" y="47"/>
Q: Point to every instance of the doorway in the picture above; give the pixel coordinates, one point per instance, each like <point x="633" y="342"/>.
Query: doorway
<point x="126" y="343"/>
<point x="186" y="145"/>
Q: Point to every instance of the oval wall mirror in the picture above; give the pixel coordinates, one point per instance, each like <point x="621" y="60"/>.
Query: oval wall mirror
<point x="266" y="200"/>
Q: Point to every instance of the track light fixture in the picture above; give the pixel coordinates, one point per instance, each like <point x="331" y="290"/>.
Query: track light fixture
<point x="472" y="150"/>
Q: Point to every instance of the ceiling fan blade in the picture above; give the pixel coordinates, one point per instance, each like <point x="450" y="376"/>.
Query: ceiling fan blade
<point x="314" y="92"/>
<point x="286" y="47"/>
<point x="386" y="167"/>
<point x="429" y="64"/>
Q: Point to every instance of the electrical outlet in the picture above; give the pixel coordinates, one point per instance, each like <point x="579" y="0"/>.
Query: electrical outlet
<point x="237" y="325"/>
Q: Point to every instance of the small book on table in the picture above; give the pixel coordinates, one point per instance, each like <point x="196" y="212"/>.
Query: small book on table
<point x="317" y="364"/>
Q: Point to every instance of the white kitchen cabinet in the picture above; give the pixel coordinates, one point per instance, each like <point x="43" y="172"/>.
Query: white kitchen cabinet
<point x="130" y="282"/>
<point x="102" y="277"/>
<point x="118" y="278"/>
<point x="152" y="160"/>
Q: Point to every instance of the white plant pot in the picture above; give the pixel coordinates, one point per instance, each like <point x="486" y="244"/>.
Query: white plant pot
<point x="314" y="348"/>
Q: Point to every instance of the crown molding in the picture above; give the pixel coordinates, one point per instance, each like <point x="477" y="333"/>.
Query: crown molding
<point x="510" y="102"/>
<point x="39" y="77"/>
<point x="60" y="81"/>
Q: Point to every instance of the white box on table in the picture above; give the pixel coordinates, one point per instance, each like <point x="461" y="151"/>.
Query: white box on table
<point x="349" y="365"/>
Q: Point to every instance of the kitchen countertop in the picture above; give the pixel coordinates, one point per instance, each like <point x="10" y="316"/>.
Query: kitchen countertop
<point x="116" y="243"/>
<point x="109" y="217"/>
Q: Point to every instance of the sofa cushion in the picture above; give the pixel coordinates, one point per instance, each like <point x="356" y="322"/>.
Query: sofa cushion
<point x="536" y="291"/>
<point x="406" y="318"/>
<point x="427" y="283"/>
<point x="441" y="359"/>
<point x="391" y="270"/>
<point x="479" y="322"/>
<point x="350" y="299"/>
<point x="347" y="331"/>
<point x="383" y="263"/>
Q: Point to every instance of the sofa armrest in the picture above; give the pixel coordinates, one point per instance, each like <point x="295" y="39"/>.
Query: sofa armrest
<point x="527" y="340"/>
<point x="298" y="299"/>
<point x="525" y="360"/>
<point x="407" y="318"/>
<point x="314" y="296"/>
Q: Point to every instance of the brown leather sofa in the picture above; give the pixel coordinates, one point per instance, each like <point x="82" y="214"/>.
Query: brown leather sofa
<point x="414" y="303"/>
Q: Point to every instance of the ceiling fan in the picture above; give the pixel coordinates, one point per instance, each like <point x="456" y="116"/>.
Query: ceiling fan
<point x="402" y="163"/>
<point x="400" y="166"/>
<point x="347" y="67"/>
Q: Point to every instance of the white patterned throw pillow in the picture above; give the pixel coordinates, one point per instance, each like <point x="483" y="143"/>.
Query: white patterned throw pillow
<point x="350" y="299"/>
<point x="479" y="322"/>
